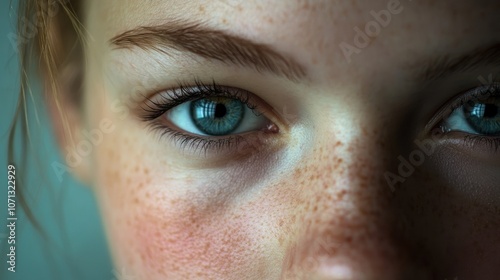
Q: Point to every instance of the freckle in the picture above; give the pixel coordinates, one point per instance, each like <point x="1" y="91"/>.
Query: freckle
<point x="341" y="194"/>
<point x="146" y="171"/>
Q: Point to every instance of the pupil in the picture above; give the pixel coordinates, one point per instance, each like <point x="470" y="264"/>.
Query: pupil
<point x="490" y="111"/>
<point x="220" y="111"/>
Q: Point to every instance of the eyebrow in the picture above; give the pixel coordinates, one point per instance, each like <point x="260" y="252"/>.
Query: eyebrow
<point x="211" y="44"/>
<point x="446" y="65"/>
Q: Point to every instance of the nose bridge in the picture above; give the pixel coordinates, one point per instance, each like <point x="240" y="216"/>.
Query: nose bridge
<point x="346" y="231"/>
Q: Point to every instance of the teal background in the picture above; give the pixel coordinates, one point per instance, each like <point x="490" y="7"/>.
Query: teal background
<point x="76" y="247"/>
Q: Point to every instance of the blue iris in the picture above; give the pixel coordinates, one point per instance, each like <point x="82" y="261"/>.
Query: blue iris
<point x="217" y="115"/>
<point x="484" y="117"/>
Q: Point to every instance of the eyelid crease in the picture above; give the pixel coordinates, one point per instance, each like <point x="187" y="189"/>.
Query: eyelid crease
<point x="446" y="65"/>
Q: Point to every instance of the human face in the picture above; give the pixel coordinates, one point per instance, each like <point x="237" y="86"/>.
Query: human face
<point x="328" y="183"/>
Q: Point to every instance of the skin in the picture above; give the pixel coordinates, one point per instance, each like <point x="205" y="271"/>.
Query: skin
<point x="310" y="201"/>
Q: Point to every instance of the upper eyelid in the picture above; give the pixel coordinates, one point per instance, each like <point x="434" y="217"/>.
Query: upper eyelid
<point x="168" y="99"/>
<point x="476" y="94"/>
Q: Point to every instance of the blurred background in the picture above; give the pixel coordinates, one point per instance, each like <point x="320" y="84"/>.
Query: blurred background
<point x="74" y="246"/>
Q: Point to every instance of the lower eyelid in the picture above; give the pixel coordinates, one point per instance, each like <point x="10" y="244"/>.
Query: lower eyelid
<point x="216" y="150"/>
<point x="486" y="148"/>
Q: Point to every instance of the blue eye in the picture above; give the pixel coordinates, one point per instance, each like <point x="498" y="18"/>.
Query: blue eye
<point x="479" y="116"/>
<point x="215" y="116"/>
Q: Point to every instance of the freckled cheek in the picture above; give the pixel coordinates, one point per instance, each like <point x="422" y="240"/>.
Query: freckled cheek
<point x="158" y="230"/>
<point x="155" y="228"/>
<point x="172" y="242"/>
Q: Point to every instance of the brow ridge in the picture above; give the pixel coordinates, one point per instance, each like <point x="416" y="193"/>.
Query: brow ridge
<point x="446" y="65"/>
<point x="211" y="44"/>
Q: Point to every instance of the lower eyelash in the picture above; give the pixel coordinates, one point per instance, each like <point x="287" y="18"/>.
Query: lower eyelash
<point x="473" y="140"/>
<point x="195" y="143"/>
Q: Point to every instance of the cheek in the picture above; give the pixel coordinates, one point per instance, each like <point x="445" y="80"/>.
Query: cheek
<point x="449" y="211"/>
<point x="174" y="238"/>
<point x="160" y="225"/>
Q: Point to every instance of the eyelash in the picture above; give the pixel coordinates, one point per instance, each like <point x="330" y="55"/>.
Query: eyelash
<point x="155" y="107"/>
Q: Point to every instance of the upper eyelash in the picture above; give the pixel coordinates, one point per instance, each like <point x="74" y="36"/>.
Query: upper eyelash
<point x="493" y="90"/>
<point x="185" y="92"/>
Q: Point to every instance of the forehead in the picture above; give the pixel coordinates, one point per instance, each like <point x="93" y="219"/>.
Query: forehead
<point x="298" y="17"/>
<point x="322" y="33"/>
